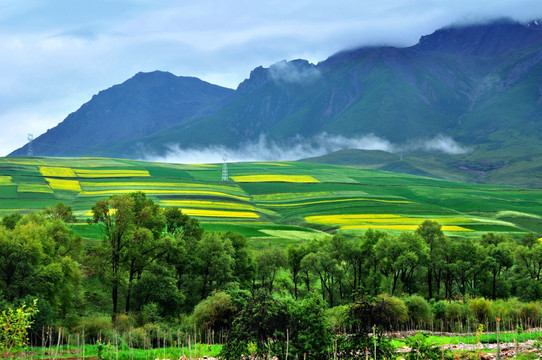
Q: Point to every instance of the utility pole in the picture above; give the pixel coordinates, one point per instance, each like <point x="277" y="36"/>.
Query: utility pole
<point x="225" y="170"/>
<point x="29" y="151"/>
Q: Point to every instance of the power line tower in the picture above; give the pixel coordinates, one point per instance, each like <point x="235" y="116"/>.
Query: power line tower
<point x="29" y="151"/>
<point x="225" y="170"/>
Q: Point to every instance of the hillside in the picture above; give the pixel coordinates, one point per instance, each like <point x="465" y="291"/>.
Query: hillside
<point x="144" y="104"/>
<point x="273" y="202"/>
<point x="476" y="85"/>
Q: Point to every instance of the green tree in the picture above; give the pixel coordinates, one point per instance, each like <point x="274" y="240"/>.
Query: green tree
<point x="214" y="262"/>
<point x="295" y="254"/>
<point x="116" y="218"/>
<point x="400" y="257"/>
<point x="38" y="259"/>
<point x="269" y="261"/>
<point x="431" y="232"/>
<point x="59" y="212"/>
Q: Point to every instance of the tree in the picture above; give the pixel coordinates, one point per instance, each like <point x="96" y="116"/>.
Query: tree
<point x="400" y="257"/>
<point x="38" y="259"/>
<point x="244" y="268"/>
<point x="214" y="261"/>
<point x="431" y="232"/>
<point x="61" y="212"/>
<point x="270" y="261"/>
<point x="116" y="218"/>
<point x="134" y="239"/>
<point x="295" y="254"/>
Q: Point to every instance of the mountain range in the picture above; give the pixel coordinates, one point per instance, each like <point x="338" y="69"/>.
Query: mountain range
<point x="476" y="87"/>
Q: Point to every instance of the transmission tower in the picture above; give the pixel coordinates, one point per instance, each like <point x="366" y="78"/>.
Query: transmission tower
<point x="225" y="170"/>
<point x="29" y="151"/>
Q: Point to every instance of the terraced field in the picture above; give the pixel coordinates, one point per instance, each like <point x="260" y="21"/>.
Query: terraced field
<point x="276" y="202"/>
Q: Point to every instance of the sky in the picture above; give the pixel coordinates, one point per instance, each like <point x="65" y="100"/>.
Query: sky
<point x="56" y="54"/>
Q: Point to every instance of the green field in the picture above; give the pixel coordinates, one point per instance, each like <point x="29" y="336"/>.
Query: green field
<point x="272" y="203"/>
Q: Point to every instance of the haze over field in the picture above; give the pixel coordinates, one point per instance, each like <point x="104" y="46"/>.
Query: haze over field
<point x="299" y="148"/>
<point x="56" y="55"/>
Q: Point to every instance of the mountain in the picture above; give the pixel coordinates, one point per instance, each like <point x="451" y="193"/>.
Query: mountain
<point x="479" y="85"/>
<point x="142" y="105"/>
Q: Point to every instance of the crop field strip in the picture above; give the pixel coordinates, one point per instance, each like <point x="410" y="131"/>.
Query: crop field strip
<point x="263" y="193"/>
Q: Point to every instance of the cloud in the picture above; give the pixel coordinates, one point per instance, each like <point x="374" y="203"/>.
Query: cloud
<point x="440" y="143"/>
<point x="297" y="71"/>
<point x="268" y="150"/>
<point x="299" y="148"/>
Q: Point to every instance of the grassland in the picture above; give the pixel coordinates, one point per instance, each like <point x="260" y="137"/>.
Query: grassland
<point x="272" y="203"/>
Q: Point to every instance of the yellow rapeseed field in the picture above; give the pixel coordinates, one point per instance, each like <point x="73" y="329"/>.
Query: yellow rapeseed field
<point x="34" y="188"/>
<point x="290" y="196"/>
<point x="6" y="180"/>
<point x="347" y="218"/>
<point x="339" y="200"/>
<point x="207" y="204"/>
<point x="88" y="173"/>
<point x="220" y="213"/>
<point x="364" y="220"/>
<point x="142" y="184"/>
<point x="57" y="171"/>
<point x="275" y="178"/>
<point x="172" y="192"/>
<point x="400" y="227"/>
<point x="61" y="184"/>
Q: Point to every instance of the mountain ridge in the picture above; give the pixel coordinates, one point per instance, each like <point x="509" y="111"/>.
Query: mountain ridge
<point x="477" y="84"/>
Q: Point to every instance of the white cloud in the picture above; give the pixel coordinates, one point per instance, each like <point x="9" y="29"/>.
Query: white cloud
<point x="299" y="148"/>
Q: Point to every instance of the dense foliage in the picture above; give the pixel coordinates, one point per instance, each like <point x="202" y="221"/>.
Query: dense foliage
<point x="156" y="276"/>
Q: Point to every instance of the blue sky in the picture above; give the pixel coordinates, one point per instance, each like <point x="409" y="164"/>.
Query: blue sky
<point x="56" y="54"/>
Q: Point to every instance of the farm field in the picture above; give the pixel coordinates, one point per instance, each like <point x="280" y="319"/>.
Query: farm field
<point x="272" y="203"/>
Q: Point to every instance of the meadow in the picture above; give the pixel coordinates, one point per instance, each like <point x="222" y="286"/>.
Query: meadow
<point x="272" y="203"/>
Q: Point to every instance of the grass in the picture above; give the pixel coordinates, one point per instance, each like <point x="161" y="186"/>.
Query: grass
<point x="123" y="352"/>
<point x="273" y="203"/>
<point x="505" y="337"/>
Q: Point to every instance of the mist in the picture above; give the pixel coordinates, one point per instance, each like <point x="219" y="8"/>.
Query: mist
<point x="298" y="148"/>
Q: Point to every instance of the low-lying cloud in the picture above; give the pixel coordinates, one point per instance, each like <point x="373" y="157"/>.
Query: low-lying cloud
<point x="440" y="143"/>
<point x="299" y="148"/>
<point x="297" y="71"/>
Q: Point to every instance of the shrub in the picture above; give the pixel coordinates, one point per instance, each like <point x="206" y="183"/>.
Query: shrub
<point x="96" y="327"/>
<point x="395" y="308"/>
<point x="481" y="309"/>
<point x="216" y="312"/>
<point x="419" y="310"/>
<point x="13" y="327"/>
<point x="439" y="310"/>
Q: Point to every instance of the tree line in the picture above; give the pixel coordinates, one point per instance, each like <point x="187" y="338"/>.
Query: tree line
<point x="157" y="265"/>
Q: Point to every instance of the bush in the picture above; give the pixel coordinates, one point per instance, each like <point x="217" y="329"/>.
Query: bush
<point x="419" y="310"/>
<point x="395" y="308"/>
<point x="216" y="312"/>
<point x="13" y="327"/>
<point x="96" y="327"/>
<point x="439" y="310"/>
<point x="337" y="317"/>
<point x="481" y="309"/>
